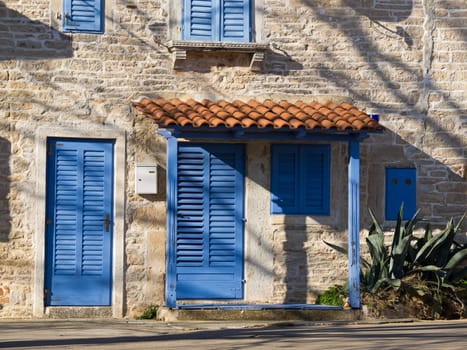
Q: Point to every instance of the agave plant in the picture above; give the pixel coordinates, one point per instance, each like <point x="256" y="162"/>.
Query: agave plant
<point x="435" y="258"/>
<point x="441" y="254"/>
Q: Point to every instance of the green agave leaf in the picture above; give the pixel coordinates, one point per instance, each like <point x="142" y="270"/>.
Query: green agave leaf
<point x="376" y="246"/>
<point x="410" y="225"/>
<point x="344" y="250"/>
<point x="393" y="283"/>
<point x="441" y="249"/>
<point x="428" y="233"/>
<point x="457" y="275"/>
<point x="456" y="259"/>
<point x="424" y="254"/>
<point x="337" y="248"/>
<point x="428" y="268"/>
<point x="398" y="258"/>
<point x="398" y="230"/>
<point x="459" y="224"/>
<point x="375" y="228"/>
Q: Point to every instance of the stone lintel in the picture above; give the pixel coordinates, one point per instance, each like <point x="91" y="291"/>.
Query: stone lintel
<point x="179" y="48"/>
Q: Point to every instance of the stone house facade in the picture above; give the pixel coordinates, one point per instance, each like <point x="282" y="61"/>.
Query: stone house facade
<point x="63" y="84"/>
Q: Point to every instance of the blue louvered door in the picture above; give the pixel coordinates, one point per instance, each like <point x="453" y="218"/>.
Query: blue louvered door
<point x="79" y="222"/>
<point x="209" y="241"/>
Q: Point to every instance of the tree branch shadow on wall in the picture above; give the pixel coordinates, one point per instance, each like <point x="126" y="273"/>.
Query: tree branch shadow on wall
<point x="437" y="183"/>
<point x="23" y="38"/>
<point x="5" y="173"/>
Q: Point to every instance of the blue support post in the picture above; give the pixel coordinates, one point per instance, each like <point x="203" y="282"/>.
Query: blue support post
<point x="171" y="268"/>
<point x="354" y="224"/>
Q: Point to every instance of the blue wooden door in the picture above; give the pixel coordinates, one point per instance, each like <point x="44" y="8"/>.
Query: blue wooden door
<point x="209" y="241"/>
<point x="79" y="222"/>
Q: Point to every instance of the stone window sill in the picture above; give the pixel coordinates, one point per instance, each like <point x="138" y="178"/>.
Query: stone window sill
<point x="179" y="49"/>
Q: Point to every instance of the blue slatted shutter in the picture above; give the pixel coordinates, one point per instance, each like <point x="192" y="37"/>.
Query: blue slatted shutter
<point x="209" y="242"/>
<point x="79" y="199"/>
<point x="284" y="172"/>
<point x="67" y="223"/>
<point x="315" y="181"/>
<point x="199" y="20"/>
<point x="216" y="20"/>
<point x="235" y="20"/>
<point x="300" y="182"/>
<point x="83" y="16"/>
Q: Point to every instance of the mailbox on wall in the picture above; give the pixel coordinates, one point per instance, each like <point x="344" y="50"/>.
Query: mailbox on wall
<point x="400" y="189"/>
<point x="145" y="178"/>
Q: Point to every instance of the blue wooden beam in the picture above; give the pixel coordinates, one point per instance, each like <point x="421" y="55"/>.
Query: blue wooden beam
<point x="354" y="224"/>
<point x="171" y="268"/>
<point x="264" y="134"/>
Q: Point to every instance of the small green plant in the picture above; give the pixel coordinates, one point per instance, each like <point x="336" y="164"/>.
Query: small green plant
<point x="149" y="313"/>
<point x="334" y="295"/>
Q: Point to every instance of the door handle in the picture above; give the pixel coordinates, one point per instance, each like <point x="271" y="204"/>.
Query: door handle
<point x="106" y="222"/>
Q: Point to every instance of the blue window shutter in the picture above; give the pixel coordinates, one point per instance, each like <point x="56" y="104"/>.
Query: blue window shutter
<point x="284" y="184"/>
<point x="315" y="174"/>
<point x="216" y="20"/>
<point x="300" y="179"/>
<point x="83" y="16"/>
<point x="200" y="20"/>
<point x="400" y="189"/>
<point x="235" y="20"/>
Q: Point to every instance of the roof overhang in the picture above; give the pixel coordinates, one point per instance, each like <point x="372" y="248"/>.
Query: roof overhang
<point x="254" y="120"/>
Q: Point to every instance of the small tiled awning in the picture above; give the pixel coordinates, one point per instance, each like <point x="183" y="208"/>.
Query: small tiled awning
<point x="343" y="117"/>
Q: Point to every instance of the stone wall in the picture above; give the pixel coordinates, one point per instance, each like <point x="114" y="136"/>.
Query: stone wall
<point x="405" y="60"/>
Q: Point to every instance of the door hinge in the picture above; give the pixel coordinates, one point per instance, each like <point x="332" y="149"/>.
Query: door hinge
<point x="46" y="293"/>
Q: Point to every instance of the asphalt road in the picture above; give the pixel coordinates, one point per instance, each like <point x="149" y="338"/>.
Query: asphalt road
<point x="136" y="335"/>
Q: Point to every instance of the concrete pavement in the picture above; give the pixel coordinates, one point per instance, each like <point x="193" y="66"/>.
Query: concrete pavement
<point x="124" y="334"/>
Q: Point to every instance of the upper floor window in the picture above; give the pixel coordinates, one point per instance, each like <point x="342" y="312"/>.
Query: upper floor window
<point x="300" y="179"/>
<point x="216" y="20"/>
<point x="83" y="16"/>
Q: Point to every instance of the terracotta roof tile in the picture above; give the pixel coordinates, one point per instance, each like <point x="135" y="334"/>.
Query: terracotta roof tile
<point x="282" y="114"/>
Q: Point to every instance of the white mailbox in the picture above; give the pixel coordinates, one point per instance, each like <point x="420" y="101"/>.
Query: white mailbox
<point x="145" y="178"/>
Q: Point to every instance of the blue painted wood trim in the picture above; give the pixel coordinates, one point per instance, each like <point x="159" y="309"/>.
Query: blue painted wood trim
<point x="171" y="272"/>
<point x="269" y="133"/>
<point x="354" y="224"/>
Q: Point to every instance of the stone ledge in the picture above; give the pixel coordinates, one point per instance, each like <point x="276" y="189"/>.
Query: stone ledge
<point x="179" y="48"/>
<point x="62" y="312"/>
<point x="171" y="315"/>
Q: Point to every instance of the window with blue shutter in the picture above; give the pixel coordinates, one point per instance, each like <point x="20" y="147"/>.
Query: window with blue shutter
<point x="83" y="16"/>
<point x="300" y="179"/>
<point x="216" y="20"/>
<point x="400" y="189"/>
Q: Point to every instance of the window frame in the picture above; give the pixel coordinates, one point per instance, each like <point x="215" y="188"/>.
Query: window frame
<point x="301" y="176"/>
<point x="175" y="10"/>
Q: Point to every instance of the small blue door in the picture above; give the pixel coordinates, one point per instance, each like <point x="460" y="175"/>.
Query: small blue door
<point x="79" y="222"/>
<point x="401" y="189"/>
<point x="209" y="240"/>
